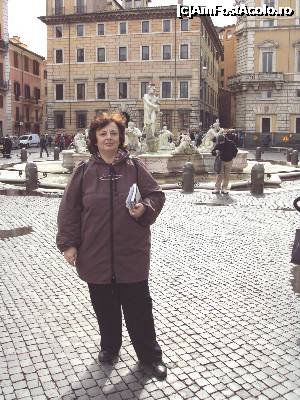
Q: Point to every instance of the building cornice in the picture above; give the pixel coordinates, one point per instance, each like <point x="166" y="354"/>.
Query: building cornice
<point x="25" y="50"/>
<point x="131" y="14"/>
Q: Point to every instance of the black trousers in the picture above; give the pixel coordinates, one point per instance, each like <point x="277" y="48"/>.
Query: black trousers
<point x="135" y="300"/>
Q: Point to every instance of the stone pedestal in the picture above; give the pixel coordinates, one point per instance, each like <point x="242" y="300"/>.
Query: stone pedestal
<point x="78" y="157"/>
<point x="153" y="145"/>
<point x="67" y="156"/>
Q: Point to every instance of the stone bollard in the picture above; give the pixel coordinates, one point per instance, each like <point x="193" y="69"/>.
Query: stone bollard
<point x="188" y="178"/>
<point x="31" y="176"/>
<point x="257" y="179"/>
<point x="258" y="153"/>
<point x="289" y="155"/>
<point x="294" y="157"/>
<point x="56" y="153"/>
<point x="23" y="155"/>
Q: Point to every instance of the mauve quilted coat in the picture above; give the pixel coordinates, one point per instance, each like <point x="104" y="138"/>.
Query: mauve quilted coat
<point x="112" y="246"/>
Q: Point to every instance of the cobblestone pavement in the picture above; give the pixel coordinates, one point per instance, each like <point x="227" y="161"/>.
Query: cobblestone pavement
<point x="226" y="311"/>
<point x="33" y="155"/>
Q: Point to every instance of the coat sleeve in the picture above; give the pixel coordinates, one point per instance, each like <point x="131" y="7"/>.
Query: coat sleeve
<point x="69" y="213"/>
<point x="213" y="152"/>
<point x="235" y="150"/>
<point x="153" y="197"/>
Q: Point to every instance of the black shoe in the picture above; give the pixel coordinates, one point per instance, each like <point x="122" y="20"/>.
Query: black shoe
<point x="107" y="357"/>
<point x="156" y="368"/>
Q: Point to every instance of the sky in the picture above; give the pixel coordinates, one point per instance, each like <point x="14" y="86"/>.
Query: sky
<point x="23" y="19"/>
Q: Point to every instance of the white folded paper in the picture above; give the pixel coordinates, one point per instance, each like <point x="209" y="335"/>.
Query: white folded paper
<point x="133" y="197"/>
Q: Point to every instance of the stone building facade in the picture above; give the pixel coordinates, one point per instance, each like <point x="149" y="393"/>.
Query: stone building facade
<point x="267" y="80"/>
<point x="227" y="68"/>
<point x="102" y="56"/>
<point x="5" y="94"/>
<point x="28" y="79"/>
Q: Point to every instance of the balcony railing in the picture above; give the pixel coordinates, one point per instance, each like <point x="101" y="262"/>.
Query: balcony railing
<point x="3" y="45"/>
<point x="4" y="85"/>
<point x="58" y="11"/>
<point x="257" y="77"/>
<point x="80" y="9"/>
<point x="30" y="99"/>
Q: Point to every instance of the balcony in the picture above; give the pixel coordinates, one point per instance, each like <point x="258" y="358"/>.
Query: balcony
<point x="4" y="85"/>
<point x="80" y="10"/>
<point x="30" y="99"/>
<point x="3" y="45"/>
<point x="244" y="81"/>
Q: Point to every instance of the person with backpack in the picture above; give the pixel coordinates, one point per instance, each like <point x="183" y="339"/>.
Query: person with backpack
<point x="108" y="240"/>
<point x="227" y="151"/>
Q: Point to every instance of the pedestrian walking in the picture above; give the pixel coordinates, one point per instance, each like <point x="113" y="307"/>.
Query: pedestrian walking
<point x="110" y="244"/>
<point x="7" y="146"/>
<point x="49" y="141"/>
<point x="43" y="146"/>
<point x="61" y="142"/>
<point x="227" y="151"/>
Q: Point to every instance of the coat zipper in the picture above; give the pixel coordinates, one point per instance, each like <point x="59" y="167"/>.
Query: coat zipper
<point x="113" y="275"/>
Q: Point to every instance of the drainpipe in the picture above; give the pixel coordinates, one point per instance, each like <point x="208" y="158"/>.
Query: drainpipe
<point x="69" y="77"/>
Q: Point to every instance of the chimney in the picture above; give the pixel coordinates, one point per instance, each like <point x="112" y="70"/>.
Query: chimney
<point x="180" y="2"/>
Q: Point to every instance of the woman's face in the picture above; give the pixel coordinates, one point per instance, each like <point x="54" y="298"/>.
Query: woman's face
<point x="108" y="138"/>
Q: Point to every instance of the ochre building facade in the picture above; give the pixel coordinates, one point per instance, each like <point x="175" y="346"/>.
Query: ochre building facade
<point x="102" y="56"/>
<point x="267" y="80"/>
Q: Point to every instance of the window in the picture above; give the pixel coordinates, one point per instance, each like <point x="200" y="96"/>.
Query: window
<point x="145" y="26"/>
<point x="184" y="119"/>
<point x="1" y="101"/>
<point x="58" y="31"/>
<point x="101" y="90"/>
<point x="166" y="90"/>
<point x="100" y="29"/>
<point x="222" y="83"/>
<point x="59" y="119"/>
<point x="184" y="51"/>
<point x="267" y="61"/>
<point x="184" y="90"/>
<point x="297" y="125"/>
<point x="59" y="56"/>
<point x="80" y="55"/>
<point x="167" y="52"/>
<point x="17" y="90"/>
<point x="46" y="91"/>
<point x="27" y="113"/>
<point x="17" y="114"/>
<point x="145" y="53"/>
<point x="81" y="119"/>
<point x="268" y="23"/>
<point x="80" y="30"/>
<point x="166" y="25"/>
<point x="26" y="64"/>
<point x="37" y="94"/>
<point x="16" y="59"/>
<point x="144" y="88"/>
<point x="59" y="7"/>
<point x="184" y="25"/>
<point x="222" y="71"/>
<point x="298" y="92"/>
<point x="166" y="119"/>
<point x="36" y="67"/>
<point x="298" y="61"/>
<point x="101" y="54"/>
<point x="59" y="91"/>
<point x="122" y="28"/>
<point x="27" y="91"/>
<point x="80" y="91"/>
<point x="228" y="35"/>
<point x="122" y="90"/>
<point x="270" y="3"/>
<point x="266" y="125"/>
<point x="80" y="9"/>
<point x="36" y="115"/>
<point x="122" y="53"/>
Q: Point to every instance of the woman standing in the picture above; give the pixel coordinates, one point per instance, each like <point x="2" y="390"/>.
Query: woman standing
<point x="109" y="244"/>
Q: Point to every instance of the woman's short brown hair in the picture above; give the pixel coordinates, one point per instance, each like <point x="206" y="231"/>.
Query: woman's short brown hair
<point x="102" y="120"/>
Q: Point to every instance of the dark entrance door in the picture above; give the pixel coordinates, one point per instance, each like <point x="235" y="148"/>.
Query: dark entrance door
<point x="266" y="125"/>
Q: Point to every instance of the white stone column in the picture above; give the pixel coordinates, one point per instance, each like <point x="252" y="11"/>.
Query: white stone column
<point x="7" y="123"/>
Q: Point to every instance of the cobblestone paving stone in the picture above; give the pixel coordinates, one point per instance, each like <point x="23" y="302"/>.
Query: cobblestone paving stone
<point x="226" y="313"/>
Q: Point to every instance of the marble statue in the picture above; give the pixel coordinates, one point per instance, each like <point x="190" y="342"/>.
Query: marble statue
<point x="207" y="141"/>
<point x="80" y="143"/>
<point x="151" y="108"/>
<point x="186" y="146"/>
<point x="164" y="136"/>
<point x="132" y="136"/>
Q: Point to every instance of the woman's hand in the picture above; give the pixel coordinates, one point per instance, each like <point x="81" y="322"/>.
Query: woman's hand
<point x="71" y="255"/>
<point x="137" y="211"/>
